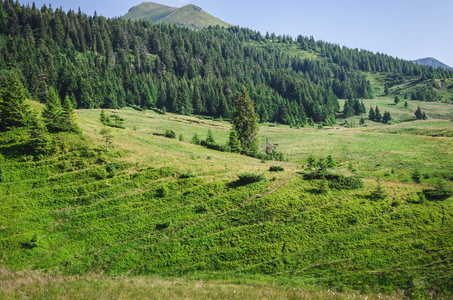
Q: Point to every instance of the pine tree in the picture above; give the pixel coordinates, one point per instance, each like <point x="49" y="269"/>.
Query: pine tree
<point x="14" y="112"/>
<point x="210" y="138"/>
<point x="378" y="115"/>
<point x="107" y="136"/>
<point x="234" y="143"/>
<point x="372" y="114"/>
<point x="331" y="163"/>
<point x="387" y="117"/>
<point x="195" y="140"/>
<point x="386" y="89"/>
<point x="68" y="116"/>
<point x="52" y="114"/>
<point x="397" y="100"/>
<point x="105" y="120"/>
<point x="418" y="113"/>
<point x="245" y="122"/>
<point x="40" y="138"/>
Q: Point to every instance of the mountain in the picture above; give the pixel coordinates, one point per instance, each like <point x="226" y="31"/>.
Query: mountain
<point x="187" y="16"/>
<point x="432" y="62"/>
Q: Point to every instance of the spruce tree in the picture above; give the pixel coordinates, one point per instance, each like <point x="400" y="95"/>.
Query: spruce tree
<point x="372" y="114"/>
<point x="397" y="100"/>
<point x="210" y="138"/>
<point x="195" y="140"/>
<point x="234" y="143"/>
<point x="418" y="113"/>
<point x="245" y="122"/>
<point x="387" y="117"/>
<point x="52" y="114"/>
<point x="14" y="112"/>
<point x="40" y="138"/>
<point x="68" y="116"/>
<point x="378" y="117"/>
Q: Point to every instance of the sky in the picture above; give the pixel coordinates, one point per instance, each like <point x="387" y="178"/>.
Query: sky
<point x="408" y="29"/>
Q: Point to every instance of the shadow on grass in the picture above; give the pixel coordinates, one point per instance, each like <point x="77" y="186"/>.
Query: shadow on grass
<point x="16" y="150"/>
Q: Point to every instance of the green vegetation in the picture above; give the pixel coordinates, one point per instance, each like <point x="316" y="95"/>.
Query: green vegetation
<point x="189" y="16"/>
<point x="114" y="63"/>
<point x="369" y="210"/>
<point x="153" y="205"/>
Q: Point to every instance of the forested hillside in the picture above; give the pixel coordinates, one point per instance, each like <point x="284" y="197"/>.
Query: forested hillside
<point x="112" y="63"/>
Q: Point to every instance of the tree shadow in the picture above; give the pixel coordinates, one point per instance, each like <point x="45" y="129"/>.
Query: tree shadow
<point x="17" y="150"/>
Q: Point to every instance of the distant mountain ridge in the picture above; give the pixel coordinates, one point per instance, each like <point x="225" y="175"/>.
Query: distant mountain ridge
<point x="187" y="16"/>
<point x="432" y="62"/>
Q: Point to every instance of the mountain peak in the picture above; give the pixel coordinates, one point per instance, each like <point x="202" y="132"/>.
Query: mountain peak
<point x="189" y="15"/>
<point x="432" y="62"/>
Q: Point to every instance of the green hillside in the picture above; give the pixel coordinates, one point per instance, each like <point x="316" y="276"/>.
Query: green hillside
<point x="165" y="207"/>
<point x="188" y="16"/>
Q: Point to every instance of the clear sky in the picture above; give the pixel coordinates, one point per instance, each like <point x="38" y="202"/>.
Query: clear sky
<point x="408" y="29"/>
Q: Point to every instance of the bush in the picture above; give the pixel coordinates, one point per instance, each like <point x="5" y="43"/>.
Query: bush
<point x="437" y="194"/>
<point x="170" y="134"/>
<point x="247" y="178"/>
<point x="187" y="175"/>
<point x="341" y="182"/>
<point x="163" y="225"/>
<point x="162" y="192"/>
<point x="276" y="169"/>
<point x="113" y="168"/>
<point x="336" y="181"/>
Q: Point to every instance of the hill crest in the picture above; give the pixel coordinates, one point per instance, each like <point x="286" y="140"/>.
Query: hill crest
<point x="432" y="62"/>
<point x="189" y="15"/>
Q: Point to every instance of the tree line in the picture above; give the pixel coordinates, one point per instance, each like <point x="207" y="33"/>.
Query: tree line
<point x="110" y="63"/>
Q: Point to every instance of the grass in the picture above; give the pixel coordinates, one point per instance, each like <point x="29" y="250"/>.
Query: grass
<point x="37" y="285"/>
<point x="143" y="223"/>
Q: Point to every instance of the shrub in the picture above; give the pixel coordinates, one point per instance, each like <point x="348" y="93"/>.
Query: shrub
<point x="276" y="169"/>
<point x="437" y="194"/>
<point x="378" y="193"/>
<point x="170" y="134"/>
<point x="336" y="181"/>
<point x="247" y="178"/>
<point x="161" y="192"/>
<point x="163" y="225"/>
<point x="187" y="175"/>
<point x="113" y="168"/>
<point x="195" y="140"/>
<point x="341" y="182"/>
<point x="416" y="176"/>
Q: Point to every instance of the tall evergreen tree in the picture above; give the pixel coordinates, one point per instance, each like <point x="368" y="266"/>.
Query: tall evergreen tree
<point x="14" y="112"/>
<point x="68" y="116"/>
<point x="52" y="114"/>
<point x="378" y="114"/>
<point x="418" y="113"/>
<point x="234" y="143"/>
<point x="372" y="114"/>
<point x="40" y="139"/>
<point x="245" y="122"/>
<point x="397" y="100"/>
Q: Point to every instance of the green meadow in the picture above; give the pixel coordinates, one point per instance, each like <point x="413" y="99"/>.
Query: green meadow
<point x="163" y="217"/>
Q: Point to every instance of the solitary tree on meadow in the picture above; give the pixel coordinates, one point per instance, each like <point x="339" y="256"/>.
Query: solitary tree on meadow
<point x="245" y="122"/>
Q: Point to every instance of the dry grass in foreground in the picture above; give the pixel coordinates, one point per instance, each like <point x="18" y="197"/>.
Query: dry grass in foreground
<point x="36" y="285"/>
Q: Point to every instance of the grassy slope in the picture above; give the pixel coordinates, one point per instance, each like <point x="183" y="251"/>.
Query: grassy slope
<point x="188" y="16"/>
<point x="67" y="214"/>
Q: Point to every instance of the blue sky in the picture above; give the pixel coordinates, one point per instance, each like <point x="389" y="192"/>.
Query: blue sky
<point x="407" y="29"/>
